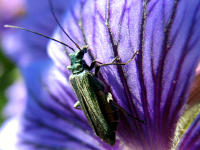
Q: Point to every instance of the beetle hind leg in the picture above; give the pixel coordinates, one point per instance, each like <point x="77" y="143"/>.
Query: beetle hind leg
<point x="77" y="105"/>
<point x="116" y="106"/>
<point x="111" y="102"/>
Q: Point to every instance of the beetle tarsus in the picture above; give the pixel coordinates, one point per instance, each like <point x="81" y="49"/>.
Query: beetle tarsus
<point x="77" y="105"/>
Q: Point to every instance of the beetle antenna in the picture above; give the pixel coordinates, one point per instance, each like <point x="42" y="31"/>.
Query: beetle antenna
<point x="57" y="21"/>
<point x="11" y="26"/>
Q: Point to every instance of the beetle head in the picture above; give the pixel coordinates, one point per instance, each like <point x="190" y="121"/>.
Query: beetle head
<point x="77" y="58"/>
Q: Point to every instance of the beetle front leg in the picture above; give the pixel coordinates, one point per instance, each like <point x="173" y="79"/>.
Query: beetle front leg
<point x="119" y="63"/>
<point x="92" y="65"/>
<point x="77" y="105"/>
<point x="101" y="64"/>
<point x="97" y="70"/>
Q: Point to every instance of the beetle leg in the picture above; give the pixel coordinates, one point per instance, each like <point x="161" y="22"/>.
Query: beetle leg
<point x="109" y="97"/>
<point x="115" y="59"/>
<point x="97" y="70"/>
<point x="77" y="105"/>
<point x="101" y="64"/>
<point x="116" y="106"/>
<point x="92" y="65"/>
<point x="112" y="111"/>
<point x="110" y="100"/>
<point x="113" y="62"/>
<point x="120" y="63"/>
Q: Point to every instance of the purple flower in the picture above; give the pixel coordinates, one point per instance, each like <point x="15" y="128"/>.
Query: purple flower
<point x="154" y="87"/>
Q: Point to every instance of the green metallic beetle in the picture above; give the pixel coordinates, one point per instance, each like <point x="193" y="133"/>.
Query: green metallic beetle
<point x="98" y="106"/>
<point x="94" y="102"/>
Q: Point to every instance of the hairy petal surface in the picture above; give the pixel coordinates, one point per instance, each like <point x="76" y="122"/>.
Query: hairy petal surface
<point x="153" y="87"/>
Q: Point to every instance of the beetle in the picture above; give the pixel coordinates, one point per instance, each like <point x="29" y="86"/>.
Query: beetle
<point x="98" y="105"/>
<point x="91" y="97"/>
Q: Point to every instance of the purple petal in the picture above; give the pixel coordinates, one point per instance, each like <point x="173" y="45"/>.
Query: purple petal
<point x="155" y="86"/>
<point x="16" y="95"/>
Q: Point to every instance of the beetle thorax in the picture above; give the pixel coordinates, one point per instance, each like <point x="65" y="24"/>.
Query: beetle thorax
<point x="77" y="62"/>
<point x="77" y="66"/>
